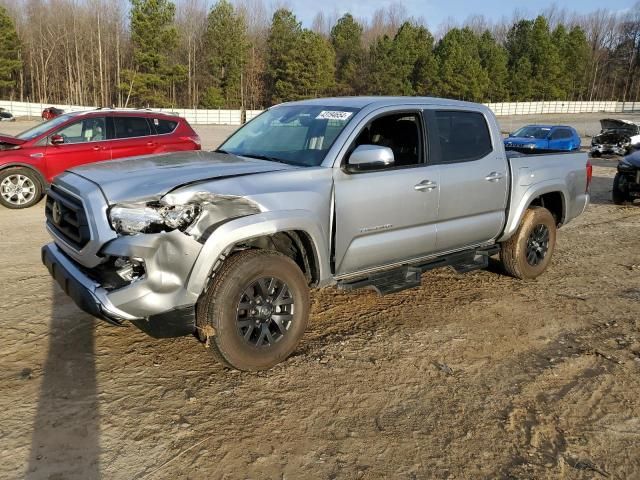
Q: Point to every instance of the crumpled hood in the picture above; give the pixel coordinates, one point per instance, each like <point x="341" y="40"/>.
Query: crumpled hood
<point x="615" y="124"/>
<point x="152" y="176"/>
<point x="8" y="139"/>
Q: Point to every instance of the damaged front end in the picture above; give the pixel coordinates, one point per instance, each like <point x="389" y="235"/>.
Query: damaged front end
<point x="612" y="142"/>
<point x="617" y="137"/>
<point x="198" y="216"/>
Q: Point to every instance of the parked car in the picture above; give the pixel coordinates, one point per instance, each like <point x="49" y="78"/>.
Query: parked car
<point x="6" y="116"/>
<point x="343" y="191"/>
<point x="626" y="183"/>
<point x="544" y="137"/>
<point x="617" y="137"/>
<point x="51" y="112"/>
<point x="30" y="160"/>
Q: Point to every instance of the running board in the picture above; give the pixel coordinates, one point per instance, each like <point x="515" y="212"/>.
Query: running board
<point x="409" y="276"/>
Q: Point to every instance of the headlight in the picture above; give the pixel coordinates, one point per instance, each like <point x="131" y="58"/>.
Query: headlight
<point x="152" y="217"/>
<point x="529" y="145"/>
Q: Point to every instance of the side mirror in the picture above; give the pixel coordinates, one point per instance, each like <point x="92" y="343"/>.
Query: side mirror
<point x="370" y="157"/>
<point x="56" y="140"/>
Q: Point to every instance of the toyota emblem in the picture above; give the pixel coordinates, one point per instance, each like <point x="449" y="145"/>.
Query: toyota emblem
<point x="56" y="213"/>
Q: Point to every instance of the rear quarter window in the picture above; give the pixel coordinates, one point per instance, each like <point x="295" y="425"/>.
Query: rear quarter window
<point x="461" y="136"/>
<point x="164" y="126"/>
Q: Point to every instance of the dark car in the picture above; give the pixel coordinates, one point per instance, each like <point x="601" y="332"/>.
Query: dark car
<point x="543" y="137"/>
<point x="626" y="183"/>
<point x="30" y="160"/>
<point x="617" y="137"/>
<point x="6" y="116"/>
<point x="51" y="112"/>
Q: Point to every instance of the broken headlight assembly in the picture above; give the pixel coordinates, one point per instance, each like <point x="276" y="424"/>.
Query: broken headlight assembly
<point x="129" y="219"/>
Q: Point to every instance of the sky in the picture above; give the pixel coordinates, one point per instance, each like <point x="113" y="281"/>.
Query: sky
<point x="435" y="12"/>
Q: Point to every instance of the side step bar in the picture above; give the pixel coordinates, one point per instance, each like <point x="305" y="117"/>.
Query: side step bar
<point x="408" y="276"/>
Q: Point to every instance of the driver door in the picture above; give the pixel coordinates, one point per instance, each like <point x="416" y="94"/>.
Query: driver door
<point x="387" y="215"/>
<point x="84" y="142"/>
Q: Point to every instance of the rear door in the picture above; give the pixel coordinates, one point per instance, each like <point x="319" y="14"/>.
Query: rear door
<point x="132" y="136"/>
<point x="473" y="178"/>
<point x="561" y="139"/>
<point x="389" y="215"/>
<point x="84" y="142"/>
<point x="164" y="137"/>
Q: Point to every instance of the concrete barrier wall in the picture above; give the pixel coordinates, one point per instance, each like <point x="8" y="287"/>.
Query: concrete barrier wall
<point x="234" y="117"/>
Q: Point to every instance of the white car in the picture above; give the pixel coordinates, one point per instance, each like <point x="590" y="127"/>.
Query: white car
<point x="6" y="116"/>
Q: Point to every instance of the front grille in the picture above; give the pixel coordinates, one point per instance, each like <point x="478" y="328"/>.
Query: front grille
<point x="67" y="218"/>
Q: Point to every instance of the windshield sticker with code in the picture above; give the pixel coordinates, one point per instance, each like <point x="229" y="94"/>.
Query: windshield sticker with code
<point x="333" y="115"/>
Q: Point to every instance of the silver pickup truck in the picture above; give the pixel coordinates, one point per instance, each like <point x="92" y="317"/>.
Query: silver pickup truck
<point x="355" y="192"/>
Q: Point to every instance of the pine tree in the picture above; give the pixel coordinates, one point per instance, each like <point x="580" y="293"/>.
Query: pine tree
<point x="301" y="63"/>
<point x="494" y="60"/>
<point x="546" y="62"/>
<point x="518" y="47"/>
<point x="413" y="56"/>
<point x="461" y="73"/>
<point x="346" y="39"/>
<point x="404" y="65"/>
<point x="226" y="46"/>
<point x="10" y="63"/>
<point x="153" y="37"/>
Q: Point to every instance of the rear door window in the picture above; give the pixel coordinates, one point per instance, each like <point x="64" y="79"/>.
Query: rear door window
<point x="461" y="136"/>
<point x="131" y="127"/>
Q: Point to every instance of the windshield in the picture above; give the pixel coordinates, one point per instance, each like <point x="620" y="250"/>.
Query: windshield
<point x="42" y="128"/>
<point x="295" y="134"/>
<point x="532" y="132"/>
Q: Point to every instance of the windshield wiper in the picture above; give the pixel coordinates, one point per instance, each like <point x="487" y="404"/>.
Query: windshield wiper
<point x="262" y="157"/>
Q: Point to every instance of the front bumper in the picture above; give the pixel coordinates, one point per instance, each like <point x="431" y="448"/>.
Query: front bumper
<point x="604" y="148"/>
<point x="87" y="295"/>
<point x="158" y="303"/>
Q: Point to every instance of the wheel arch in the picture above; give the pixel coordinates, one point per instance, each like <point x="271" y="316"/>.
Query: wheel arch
<point x="43" y="182"/>
<point x="295" y="233"/>
<point x="552" y="196"/>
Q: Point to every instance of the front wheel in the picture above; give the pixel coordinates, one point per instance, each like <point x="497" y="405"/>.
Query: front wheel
<point x="620" y="191"/>
<point x="528" y="252"/>
<point x="19" y="188"/>
<point x="255" y="311"/>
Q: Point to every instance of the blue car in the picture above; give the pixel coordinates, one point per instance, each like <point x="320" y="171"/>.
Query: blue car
<point x="543" y="137"/>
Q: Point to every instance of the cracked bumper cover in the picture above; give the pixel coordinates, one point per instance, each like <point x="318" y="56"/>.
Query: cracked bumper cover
<point x="158" y="303"/>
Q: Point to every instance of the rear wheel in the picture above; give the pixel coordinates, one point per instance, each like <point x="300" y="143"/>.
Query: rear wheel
<point x="255" y="311"/>
<point x="19" y="187"/>
<point x="528" y="252"/>
<point x="620" y="191"/>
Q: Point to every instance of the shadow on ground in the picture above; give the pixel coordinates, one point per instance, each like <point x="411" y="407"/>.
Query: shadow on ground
<point x="65" y="442"/>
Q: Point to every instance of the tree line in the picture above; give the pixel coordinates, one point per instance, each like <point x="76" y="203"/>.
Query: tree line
<point x="186" y="54"/>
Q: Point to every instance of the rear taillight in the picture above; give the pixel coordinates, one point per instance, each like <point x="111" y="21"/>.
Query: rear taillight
<point x="193" y="138"/>
<point x="589" y="174"/>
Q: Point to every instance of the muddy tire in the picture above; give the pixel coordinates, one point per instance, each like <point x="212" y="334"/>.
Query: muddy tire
<point x="255" y="311"/>
<point x="19" y="187"/>
<point x="528" y="252"/>
<point x="619" y="193"/>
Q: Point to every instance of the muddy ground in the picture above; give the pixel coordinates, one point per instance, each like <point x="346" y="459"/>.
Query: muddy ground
<point x="470" y="376"/>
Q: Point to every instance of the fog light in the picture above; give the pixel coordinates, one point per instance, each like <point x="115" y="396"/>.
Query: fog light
<point x="129" y="269"/>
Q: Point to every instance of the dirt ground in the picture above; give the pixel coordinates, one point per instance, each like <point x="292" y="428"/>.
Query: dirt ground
<point x="470" y="376"/>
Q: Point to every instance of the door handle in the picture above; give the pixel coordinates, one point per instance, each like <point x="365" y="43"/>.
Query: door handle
<point x="95" y="149"/>
<point x="150" y="144"/>
<point x="494" y="177"/>
<point x="425" y="185"/>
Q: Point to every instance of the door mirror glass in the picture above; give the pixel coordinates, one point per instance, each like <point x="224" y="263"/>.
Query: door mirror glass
<point x="370" y="157"/>
<point x="57" y="139"/>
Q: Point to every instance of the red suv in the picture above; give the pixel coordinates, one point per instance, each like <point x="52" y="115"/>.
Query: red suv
<point x="30" y="160"/>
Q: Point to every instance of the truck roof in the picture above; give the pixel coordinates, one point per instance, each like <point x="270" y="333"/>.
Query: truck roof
<point x="361" y="102"/>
